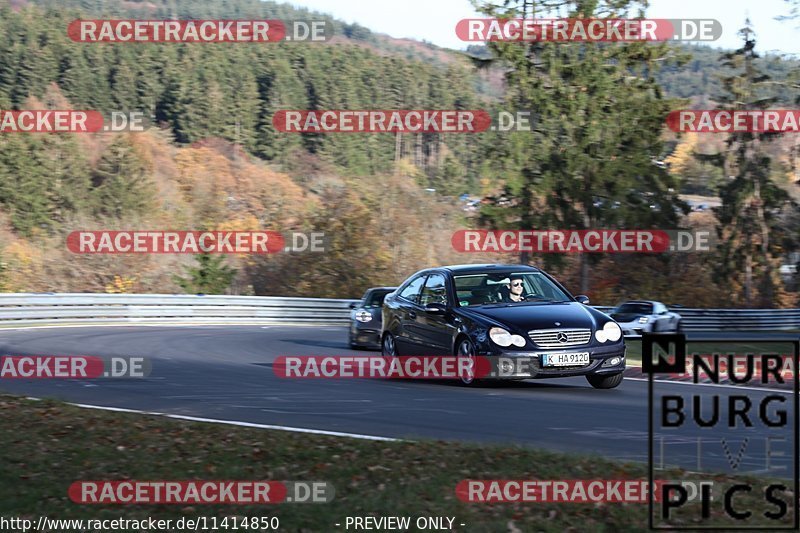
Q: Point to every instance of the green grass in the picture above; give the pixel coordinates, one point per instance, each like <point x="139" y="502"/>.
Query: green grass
<point x="47" y="445"/>
<point x="634" y="352"/>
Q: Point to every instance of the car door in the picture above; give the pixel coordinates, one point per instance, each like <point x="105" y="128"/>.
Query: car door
<point x="437" y="330"/>
<point x="408" y="338"/>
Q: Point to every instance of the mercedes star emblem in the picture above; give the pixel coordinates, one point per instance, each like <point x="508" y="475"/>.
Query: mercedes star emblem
<point x="562" y="337"/>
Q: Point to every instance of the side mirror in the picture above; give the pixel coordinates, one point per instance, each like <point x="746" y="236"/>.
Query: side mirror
<point x="353" y="305"/>
<point x="435" y="308"/>
<point x="583" y="299"/>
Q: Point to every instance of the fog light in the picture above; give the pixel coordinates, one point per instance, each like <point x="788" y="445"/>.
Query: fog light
<point x="614" y="361"/>
<point x="507" y="367"/>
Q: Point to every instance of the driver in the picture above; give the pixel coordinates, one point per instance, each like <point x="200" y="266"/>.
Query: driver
<point x="516" y="288"/>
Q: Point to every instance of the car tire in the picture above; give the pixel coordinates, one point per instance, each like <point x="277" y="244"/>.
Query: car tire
<point x="599" y="381"/>
<point x="465" y="348"/>
<point x="389" y="346"/>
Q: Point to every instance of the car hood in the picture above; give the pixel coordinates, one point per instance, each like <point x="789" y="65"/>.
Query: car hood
<point x="525" y="317"/>
<point x="626" y="317"/>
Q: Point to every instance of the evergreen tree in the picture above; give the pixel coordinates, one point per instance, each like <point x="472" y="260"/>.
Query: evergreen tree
<point x="25" y="185"/>
<point x="751" y="200"/>
<point x="210" y="276"/>
<point x="121" y="184"/>
<point x="598" y="115"/>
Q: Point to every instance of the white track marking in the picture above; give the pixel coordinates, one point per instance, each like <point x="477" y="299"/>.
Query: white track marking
<point x="738" y="387"/>
<point x="233" y="422"/>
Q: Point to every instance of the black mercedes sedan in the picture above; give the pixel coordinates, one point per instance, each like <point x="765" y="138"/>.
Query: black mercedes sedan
<point x="507" y="312"/>
<point x="365" y="319"/>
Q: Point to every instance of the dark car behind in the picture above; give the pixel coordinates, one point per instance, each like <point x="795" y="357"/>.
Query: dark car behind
<point x="365" y="319"/>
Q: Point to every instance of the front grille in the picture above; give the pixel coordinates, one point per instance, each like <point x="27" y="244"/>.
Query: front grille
<point x="548" y="338"/>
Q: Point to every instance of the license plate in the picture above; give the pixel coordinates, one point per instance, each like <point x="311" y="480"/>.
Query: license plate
<point x="565" y="359"/>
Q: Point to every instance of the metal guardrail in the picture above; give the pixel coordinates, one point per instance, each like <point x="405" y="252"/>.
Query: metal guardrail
<point x="37" y="308"/>
<point x="31" y="309"/>
<point x="734" y="319"/>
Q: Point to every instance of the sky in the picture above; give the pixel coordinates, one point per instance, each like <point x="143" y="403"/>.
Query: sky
<point x="401" y="18"/>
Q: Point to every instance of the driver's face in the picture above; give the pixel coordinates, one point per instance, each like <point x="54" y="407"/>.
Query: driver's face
<point x="516" y="286"/>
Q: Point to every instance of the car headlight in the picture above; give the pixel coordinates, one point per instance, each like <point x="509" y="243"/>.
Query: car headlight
<point x="502" y="337"/>
<point x="613" y="331"/>
<point x="518" y="341"/>
<point x="610" y="332"/>
<point x="362" y="315"/>
<point x="643" y="320"/>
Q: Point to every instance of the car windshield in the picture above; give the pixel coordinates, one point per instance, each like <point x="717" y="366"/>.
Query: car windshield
<point x="375" y="298"/>
<point x="496" y="288"/>
<point x="630" y="308"/>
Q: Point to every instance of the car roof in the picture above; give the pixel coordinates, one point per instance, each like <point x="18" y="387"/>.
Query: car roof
<point x="381" y="289"/>
<point x="639" y="302"/>
<point x="488" y="267"/>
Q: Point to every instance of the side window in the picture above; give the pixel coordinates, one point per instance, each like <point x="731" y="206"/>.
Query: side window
<point x="411" y="291"/>
<point x="364" y="299"/>
<point x="660" y="308"/>
<point x="434" y="291"/>
<point x="376" y="299"/>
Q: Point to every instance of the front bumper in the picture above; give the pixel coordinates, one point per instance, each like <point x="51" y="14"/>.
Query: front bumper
<point x="365" y="337"/>
<point x="635" y="328"/>
<point x="528" y="364"/>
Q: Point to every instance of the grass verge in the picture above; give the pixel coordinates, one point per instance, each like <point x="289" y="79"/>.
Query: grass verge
<point x="46" y="445"/>
<point x="633" y="354"/>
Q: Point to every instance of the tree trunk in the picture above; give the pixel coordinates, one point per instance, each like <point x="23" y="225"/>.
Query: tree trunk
<point x="748" y="279"/>
<point x="584" y="264"/>
<point x="766" y="296"/>
<point x="584" y="259"/>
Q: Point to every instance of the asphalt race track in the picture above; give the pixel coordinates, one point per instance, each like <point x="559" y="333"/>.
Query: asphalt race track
<point x="224" y="372"/>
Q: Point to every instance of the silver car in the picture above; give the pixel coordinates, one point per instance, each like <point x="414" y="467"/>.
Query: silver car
<point x="645" y="316"/>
